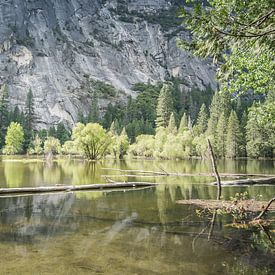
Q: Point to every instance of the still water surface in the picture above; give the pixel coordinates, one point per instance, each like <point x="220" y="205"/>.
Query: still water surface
<point x="139" y="231"/>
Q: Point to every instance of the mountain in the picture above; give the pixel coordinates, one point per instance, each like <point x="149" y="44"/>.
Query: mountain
<point x="64" y="50"/>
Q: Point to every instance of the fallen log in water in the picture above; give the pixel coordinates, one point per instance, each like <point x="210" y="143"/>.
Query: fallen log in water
<point x="68" y="188"/>
<point x="247" y="205"/>
<point x="261" y="181"/>
<point x="165" y="173"/>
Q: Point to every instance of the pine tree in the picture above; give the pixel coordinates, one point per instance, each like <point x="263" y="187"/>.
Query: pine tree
<point x="164" y="106"/>
<point x="183" y="124"/>
<point x="94" y="110"/>
<point x="221" y="137"/>
<point x="233" y="137"/>
<point x="61" y="133"/>
<point x="4" y="113"/>
<point x="52" y="132"/>
<point x="29" y="119"/>
<point x="201" y="124"/>
<point x="220" y="103"/>
<point x="113" y="129"/>
<point x="172" y="127"/>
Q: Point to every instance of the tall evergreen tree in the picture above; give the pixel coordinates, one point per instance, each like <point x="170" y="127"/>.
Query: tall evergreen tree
<point x="221" y="137"/>
<point x="4" y="113"/>
<point x="94" y="110"/>
<point x="233" y="137"/>
<point x="183" y="124"/>
<point x="220" y="103"/>
<point x="201" y="124"/>
<point x="172" y="127"/>
<point x="29" y="120"/>
<point x="62" y="133"/>
<point x="164" y="106"/>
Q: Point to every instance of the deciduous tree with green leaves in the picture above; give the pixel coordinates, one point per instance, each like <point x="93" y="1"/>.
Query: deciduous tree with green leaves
<point x="91" y="139"/>
<point x="14" y="139"/>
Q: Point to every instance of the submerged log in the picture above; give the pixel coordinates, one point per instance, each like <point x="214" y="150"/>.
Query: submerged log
<point x="138" y="173"/>
<point x="270" y="180"/>
<point x="247" y="205"/>
<point x="68" y="188"/>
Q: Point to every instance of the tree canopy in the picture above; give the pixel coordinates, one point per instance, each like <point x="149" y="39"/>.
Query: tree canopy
<point x="238" y="33"/>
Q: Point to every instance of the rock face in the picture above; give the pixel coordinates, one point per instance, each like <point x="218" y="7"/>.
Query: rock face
<point x="58" y="48"/>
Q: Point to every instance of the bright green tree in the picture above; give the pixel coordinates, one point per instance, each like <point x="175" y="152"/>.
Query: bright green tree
<point x="233" y="137"/>
<point x="120" y="144"/>
<point x="201" y="124"/>
<point x="172" y="127"/>
<point x="183" y="124"/>
<point x="221" y="137"/>
<point x="164" y="106"/>
<point x="36" y="148"/>
<point x="14" y="139"/>
<point x="92" y="140"/>
<point x="52" y="146"/>
<point x="260" y="130"/>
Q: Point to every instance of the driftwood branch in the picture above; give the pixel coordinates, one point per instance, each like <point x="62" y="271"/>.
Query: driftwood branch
<point x="265" y="209"/>
<point x="70" y="188"/>
<point x="215" y="170"/>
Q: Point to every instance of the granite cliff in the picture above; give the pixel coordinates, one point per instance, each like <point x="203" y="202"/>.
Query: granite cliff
<point x="62" y="50"/>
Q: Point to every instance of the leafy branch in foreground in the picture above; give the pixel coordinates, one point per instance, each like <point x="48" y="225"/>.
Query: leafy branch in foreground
<point x="238" y="33"/>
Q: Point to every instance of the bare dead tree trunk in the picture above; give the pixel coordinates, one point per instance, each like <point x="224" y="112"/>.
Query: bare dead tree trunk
<point x="215" y="170"/>
<point x="265" y="209"/>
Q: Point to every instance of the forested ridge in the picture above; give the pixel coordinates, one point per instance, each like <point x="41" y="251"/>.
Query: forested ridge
<point x="161" y="122"/>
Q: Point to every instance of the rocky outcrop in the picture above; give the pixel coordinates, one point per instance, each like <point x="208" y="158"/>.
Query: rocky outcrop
<point x="58" y="48"/>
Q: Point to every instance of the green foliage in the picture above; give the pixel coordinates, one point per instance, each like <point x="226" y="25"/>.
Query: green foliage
<point x="29" y="120"/>
<point x="14" y="139"/>
<point x="243" y="30"/>
<point x="202" y="120"/>
<point x="36" y="147"/>
<point x="120" y="144"/>
<point x="52" y="145"/>
<point x="165" y="106"/>
<point x="221" y="137"/>
<point x="260" y="130"/>
<point x="61" y="133"/>
<point x="91" y="139"/>
<point x="143" y="147"/>
<point x="183" y="124"/>
<point x="233" y="137"/>
<point x="172" y="127"/>
<point x="3" y="113"/>
<point x="94" y="110"/>
<point x="69" y="148"/>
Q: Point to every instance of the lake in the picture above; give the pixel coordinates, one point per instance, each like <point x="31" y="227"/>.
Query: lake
<point x="131" y="231"/>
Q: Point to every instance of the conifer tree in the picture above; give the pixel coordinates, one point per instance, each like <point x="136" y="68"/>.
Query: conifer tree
<point x="172" y="127"/>
<point x="221" y="137"/>
<point x="164" y="106"/>
<point x="220" y="103"/>
<point x="4" y="114"/>
<point x="94" y="110"/>
<point x="201" y="124"/>
<point x="183" y="124"/>
<point x="29" y="119"/>
<point x="113" y="129"/>
<point x="61" y="133"/>
<point x="233" y="137"/>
